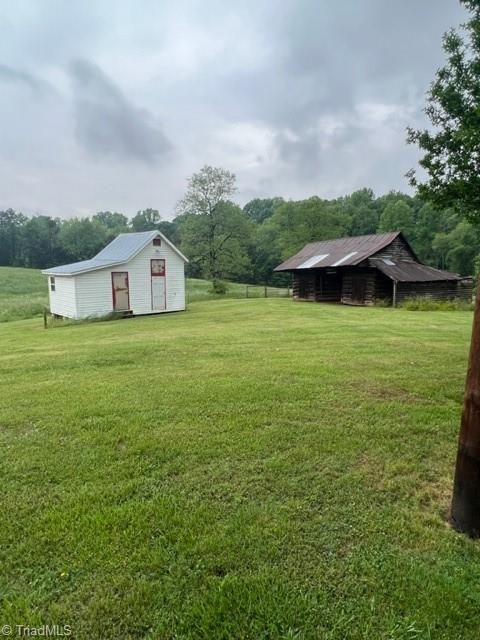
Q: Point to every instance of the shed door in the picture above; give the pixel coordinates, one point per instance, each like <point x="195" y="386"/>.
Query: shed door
<point x="359" y="287"/>
<point x="121" y="298"/>
<point x="158" y="284"/>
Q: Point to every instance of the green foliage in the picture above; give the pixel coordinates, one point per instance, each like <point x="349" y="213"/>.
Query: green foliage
<point x="215" y="233"/>
<point x="82" y="238"/>
<point x="247" y="469"/>
<point x="450" y="150"/>
<point x="363" y="211"/>
<point x="260" y="209"/>
<point x="146" y="220"/>
<point x="11" y="224"/>
<point x="40" y="241"/>
<point x="116" y="222"/>
<point x="308" y="221"/>
<point x="219" y="287"/>
<point x="205" y="190"/>
<point x="426" y="304"/>
<point x="217" y="244"/>
<point x="397" y="216"/>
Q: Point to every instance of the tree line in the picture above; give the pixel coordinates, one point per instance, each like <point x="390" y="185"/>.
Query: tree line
<point x="227" y="242"/>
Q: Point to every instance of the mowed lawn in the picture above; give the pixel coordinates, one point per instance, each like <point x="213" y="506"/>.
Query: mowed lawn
<point x="256" y="469"/>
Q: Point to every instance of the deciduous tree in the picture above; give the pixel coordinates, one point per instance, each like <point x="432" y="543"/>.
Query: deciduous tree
<point x="213" y="221"/>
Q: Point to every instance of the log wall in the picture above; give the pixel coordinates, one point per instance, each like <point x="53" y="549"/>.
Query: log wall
<point x="440" y="290"/>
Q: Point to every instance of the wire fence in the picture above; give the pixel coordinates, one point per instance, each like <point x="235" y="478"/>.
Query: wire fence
<point x="239" y="292"/>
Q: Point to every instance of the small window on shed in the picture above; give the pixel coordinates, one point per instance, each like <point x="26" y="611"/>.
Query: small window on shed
<point x="157" y="242"/>
<point x="52" y="283"/>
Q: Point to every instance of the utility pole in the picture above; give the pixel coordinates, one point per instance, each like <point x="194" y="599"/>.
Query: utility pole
<point x="465" y="510"/>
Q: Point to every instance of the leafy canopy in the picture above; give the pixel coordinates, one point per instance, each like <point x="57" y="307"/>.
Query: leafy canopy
<point x="206" y="189"/>
<point x="452" y="149"/>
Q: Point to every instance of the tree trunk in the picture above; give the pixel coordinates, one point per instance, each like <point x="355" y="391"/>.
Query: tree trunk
<point x="465" y="511"/>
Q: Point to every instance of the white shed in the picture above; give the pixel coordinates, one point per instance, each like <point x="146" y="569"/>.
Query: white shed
<point x="137" y="273"/>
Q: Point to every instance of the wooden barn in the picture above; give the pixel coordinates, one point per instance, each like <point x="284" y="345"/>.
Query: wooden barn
<point x="367" y="269"/>
<point x="137" y="273"/>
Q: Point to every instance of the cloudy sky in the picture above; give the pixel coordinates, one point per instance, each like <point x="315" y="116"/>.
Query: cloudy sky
<point x="112" y="104"/>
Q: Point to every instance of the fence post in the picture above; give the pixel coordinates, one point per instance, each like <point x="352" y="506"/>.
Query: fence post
<point x="246" y="291"/>
<point x="265" y="291"/>
<point x="45" y="318"/>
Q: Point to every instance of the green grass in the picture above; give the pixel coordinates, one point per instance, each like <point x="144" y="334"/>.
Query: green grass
<point x="24" y="294"/>
<point x="257" y="469"/>
<point x="427" y="304"/>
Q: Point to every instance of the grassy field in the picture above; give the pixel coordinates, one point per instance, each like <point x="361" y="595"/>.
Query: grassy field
<point x="256" y="469"/>
<point x="23" y="292"/>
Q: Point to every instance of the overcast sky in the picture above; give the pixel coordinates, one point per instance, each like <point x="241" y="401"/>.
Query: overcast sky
<point x="112" y="104"/>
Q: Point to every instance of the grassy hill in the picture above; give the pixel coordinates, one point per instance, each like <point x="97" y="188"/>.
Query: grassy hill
<point x="23" y="292"/>
<point x="260" y="469"/>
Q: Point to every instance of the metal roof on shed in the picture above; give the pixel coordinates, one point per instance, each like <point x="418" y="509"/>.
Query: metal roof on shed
<point x="403" y="271"/>
<point x="120" y="250"/>
<point x="341" y="252"/>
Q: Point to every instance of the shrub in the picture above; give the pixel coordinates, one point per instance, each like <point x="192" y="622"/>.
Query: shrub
<point x="428" y="304"/>
<point x="219" y="287"/>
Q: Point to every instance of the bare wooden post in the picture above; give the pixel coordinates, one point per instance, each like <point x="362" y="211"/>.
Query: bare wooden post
<point x="265" y="291"/>
<point x="45" y="325"/>
<point x="246" y="291"/>
<point x="394" y="301"/>
<point x="465" y="511"/>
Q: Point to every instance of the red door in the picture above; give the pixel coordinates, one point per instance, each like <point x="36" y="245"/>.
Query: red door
<point x="120" y="292"/>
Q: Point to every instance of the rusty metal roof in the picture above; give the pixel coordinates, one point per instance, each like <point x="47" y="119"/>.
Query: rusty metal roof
<point x="405" y="271"/>
<point x="340" y="252"/>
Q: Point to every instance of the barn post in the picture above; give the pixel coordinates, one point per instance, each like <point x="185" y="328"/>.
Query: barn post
<point x="394" y="301"/>
<point x="465" y="510"/>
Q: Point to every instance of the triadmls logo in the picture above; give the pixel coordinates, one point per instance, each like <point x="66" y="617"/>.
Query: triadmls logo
<point x="42" y="631"/>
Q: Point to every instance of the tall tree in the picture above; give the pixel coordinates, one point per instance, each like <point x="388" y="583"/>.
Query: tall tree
<point x="11" y="224"/>
<point x="40" y="246"/>
<point x="81" y="238"/>
<point x="260" y="209"/>
<point x="397" y="216"/>
<point x="451" y="158"/>
<point x="226" y="254"/>
<point x="308" y="221"/>
<point x="207" y="192"/>
<point x="146" y="220"/>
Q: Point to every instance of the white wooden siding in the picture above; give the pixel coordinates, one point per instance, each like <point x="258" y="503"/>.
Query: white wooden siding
<point x="63" y="299"/>
<point x="94" y="293"/>
<point x="94" y="289"/>
<point x="140" y="279"/>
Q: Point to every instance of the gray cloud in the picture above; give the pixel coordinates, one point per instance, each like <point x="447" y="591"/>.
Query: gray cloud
<point x="107" y="123"/>
<point x="18" y="76"/>
<point x="298" y="97"/>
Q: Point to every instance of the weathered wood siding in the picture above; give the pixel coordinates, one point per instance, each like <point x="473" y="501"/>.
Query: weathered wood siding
<point x="441" y="290"/>
<point x="358" y="285"/>
<point x="304" y="285"/>
<point x="397" y="250"/>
